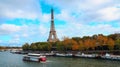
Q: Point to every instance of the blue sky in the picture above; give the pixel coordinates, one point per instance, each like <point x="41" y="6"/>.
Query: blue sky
<point x="24" y="21"/>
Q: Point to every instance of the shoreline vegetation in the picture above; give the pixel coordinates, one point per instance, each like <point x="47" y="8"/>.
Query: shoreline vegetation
<point x="6" y="47"/>
<point x="100" y="42"/>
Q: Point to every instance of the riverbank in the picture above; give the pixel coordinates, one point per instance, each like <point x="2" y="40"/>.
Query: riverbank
<point x="75" y="54"/>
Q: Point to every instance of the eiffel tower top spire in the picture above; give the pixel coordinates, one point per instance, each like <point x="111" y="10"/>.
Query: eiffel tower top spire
<point x="52" y="14"/>
<point x="52" y="33"/>
<point x="52" y="20"/>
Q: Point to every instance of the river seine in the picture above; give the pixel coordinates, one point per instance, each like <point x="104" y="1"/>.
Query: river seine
<point x="8" y="59"/>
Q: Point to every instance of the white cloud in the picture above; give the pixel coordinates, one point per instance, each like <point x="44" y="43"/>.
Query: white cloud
<point x="76" y="29"/>
<point x="66" y="16"/>
<point x="109" y="13"/>
<point x="88" y="10"/>
<point x="78" y="5"/>
<point x="45" y="18"/>
<point x="15" y="39"/>
<point x="103" y="28"/>
<point x="0" y="41"/>
<point x="9" y="28"/>
<point x="29" y="9"/>
<point x="25" y="35"/>
<point x="43" y="30"/>
<point x="20" y="14"/>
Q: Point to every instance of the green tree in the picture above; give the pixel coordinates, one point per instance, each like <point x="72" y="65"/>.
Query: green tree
<point x="60" y="46"/>
<point x="33" y="47"/>
<point x="117" y="44"/>
<point x="26" y="46"/>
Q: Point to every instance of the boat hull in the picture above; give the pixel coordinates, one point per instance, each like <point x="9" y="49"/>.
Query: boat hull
<point x="34" y="58"/>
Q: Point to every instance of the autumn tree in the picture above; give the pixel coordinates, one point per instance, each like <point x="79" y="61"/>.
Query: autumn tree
<point x="67" y="44"/>
<point x="92" y="44"/>
<point x="95" y="42"/>
<point x="75" y="45"/>
<point x="87" y="44"/>
<point x="81" y="45"/>
<point x="111" y="44"/>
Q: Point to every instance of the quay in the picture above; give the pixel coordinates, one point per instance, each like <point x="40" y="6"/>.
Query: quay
<point x="78" y="54"/>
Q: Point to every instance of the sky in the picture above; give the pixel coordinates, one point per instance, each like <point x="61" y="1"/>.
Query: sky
<point x="28" y="21"/>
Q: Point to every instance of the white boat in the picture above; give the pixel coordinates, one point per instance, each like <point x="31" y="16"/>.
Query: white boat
<point x="34" y="57"/>
<point x="2" y="50"/>
<point x="85" y="55"/>
<point x="15" y="51"/>
<point x="61" y="55"/>
<point x="111" y="57"/>
<point x="64" y="55"/>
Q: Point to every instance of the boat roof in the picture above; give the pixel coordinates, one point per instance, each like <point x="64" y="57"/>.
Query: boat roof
<point x="33" y="54"/>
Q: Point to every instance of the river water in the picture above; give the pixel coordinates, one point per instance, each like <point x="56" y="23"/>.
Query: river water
<point x="8" y="59"/>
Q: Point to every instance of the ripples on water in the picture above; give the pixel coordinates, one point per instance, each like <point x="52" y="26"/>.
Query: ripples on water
<point x="8" y="59"/>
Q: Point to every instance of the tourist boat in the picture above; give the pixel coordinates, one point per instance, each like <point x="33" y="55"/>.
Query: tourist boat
<point x="34" y="57"/>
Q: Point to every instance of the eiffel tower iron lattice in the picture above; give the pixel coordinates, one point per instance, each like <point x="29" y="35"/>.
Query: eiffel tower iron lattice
<point x="52" y="33"/>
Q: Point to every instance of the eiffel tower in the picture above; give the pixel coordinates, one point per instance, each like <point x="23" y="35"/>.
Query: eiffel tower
<point x="52" y="33"/>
